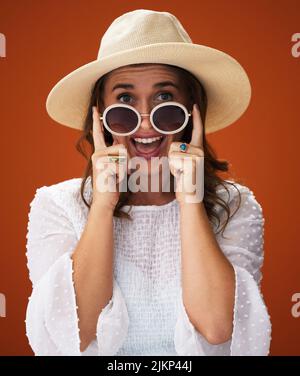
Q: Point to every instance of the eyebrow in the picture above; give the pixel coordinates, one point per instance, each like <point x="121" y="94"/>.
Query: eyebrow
<point x="155" y="86"/>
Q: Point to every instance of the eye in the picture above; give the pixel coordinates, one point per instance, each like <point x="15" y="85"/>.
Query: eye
<point x="124" y="95"/>
<point x="165" y="96"/>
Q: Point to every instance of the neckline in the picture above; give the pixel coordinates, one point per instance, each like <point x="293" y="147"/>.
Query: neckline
<point x="136" y="207"/>
<point x="149" y="207"/>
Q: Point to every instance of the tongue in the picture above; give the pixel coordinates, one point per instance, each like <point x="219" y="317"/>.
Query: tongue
<point x="147" y="148"/>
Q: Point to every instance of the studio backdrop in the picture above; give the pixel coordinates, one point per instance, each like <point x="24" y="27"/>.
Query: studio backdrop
<point x="42" y="41"/>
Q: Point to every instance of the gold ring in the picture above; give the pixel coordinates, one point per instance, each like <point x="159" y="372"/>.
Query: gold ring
<point x="117" y="158"/>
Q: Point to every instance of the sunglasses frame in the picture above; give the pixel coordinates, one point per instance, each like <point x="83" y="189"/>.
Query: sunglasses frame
<point x="139" y="116"/>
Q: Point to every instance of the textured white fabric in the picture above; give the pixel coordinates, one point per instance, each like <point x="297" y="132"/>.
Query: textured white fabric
<point x="145" y="315"/>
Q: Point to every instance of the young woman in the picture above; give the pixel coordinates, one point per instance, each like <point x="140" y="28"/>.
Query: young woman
<point x="144" y="272"/>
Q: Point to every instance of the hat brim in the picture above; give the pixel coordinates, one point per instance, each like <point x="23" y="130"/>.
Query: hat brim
<point x="225" y="81"/>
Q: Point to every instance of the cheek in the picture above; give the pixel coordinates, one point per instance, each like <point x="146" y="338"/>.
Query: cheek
<point x="170" y="139"/>
<point x="126" y="141"/>
<point x="121" y="140"/>
<point x="177" y="137"/>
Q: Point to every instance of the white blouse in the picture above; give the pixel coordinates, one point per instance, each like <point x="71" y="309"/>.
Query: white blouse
<point x="145" y="315"/>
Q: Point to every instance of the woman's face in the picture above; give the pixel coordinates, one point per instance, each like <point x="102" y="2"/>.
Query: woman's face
<point x="143" y="95"/>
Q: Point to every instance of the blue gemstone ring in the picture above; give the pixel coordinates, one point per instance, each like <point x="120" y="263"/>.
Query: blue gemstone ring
<point x="183" y="147"/>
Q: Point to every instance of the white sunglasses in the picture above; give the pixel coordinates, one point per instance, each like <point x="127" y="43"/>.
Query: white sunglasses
<point x="167" y="118"/>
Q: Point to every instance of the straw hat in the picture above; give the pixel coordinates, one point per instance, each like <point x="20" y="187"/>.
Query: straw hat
<point x="147" y="36"/>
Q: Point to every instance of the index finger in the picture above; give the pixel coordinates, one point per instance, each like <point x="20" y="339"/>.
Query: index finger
<point x="197" y="133"/>
<point x="98" y="136"/>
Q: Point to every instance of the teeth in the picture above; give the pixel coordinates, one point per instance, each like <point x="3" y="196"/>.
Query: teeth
<point x="147" y="140"/>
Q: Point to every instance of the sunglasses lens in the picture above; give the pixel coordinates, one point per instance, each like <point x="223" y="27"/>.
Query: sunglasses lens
<point x="169" y="118"/>
<point x="121" y="120"/>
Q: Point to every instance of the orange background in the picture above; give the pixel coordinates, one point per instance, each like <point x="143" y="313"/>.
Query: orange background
<point x="48" y="39"/>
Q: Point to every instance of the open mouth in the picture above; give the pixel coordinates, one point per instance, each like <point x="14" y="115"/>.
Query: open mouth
<point x="148" y="147"/>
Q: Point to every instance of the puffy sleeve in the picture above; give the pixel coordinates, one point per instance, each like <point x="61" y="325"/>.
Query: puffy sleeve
<point x="51" y="315"/>
<point x="243" y="247"/>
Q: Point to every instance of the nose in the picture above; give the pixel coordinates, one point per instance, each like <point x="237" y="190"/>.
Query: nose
<point x="146" y="123"/>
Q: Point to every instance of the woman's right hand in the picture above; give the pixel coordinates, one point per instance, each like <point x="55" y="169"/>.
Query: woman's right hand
<point x="107" y="175"/>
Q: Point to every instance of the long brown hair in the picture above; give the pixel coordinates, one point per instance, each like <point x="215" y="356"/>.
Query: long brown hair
<point x="212" y="166"/>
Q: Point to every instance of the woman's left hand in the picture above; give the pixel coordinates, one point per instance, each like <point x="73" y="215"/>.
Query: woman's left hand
<point x="188" y="167"/>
